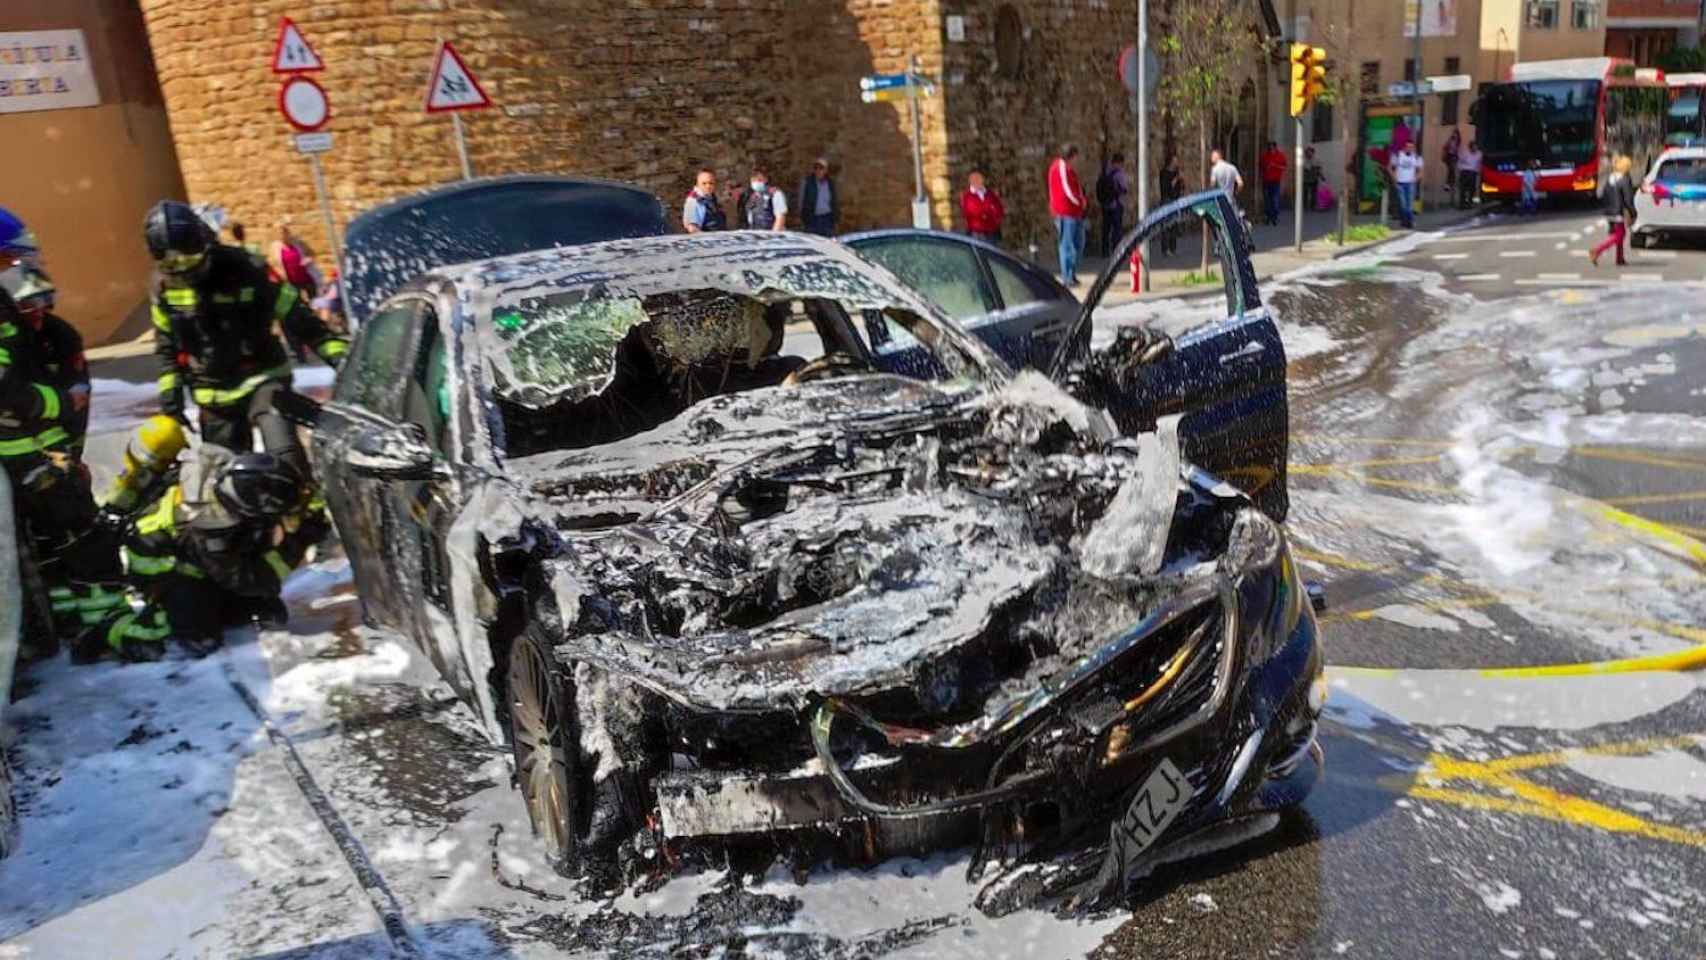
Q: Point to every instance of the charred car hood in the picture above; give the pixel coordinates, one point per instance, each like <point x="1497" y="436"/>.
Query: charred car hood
<point x="851" y="537"/>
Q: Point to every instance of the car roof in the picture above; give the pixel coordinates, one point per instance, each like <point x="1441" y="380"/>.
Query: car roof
<point x="1683" y="153"/>
<point x="936" y="234"/>
<point x="391" y="244"/>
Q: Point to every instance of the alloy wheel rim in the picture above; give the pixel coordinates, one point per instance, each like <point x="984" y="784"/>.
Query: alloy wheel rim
<point x="542" y="758"/>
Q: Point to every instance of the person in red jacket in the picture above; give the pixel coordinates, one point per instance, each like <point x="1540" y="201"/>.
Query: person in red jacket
<point x="983" y="209"/>
<point x="1273" y="181"/>
<point x="1066" y="202"/>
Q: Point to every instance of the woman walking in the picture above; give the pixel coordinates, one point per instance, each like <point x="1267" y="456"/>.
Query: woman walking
<point x="1619" y="202"/>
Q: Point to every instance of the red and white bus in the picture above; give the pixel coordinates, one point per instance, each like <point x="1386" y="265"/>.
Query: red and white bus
<point x="1571" y="116"/>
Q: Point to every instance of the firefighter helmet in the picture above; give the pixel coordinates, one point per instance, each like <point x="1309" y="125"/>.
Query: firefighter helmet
<point x="178" y="239"/>
<point x="258" y="486"/>
<point x="17" y="241"/>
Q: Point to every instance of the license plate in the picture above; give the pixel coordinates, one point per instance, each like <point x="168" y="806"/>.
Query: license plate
<point x="1156" y="805"/>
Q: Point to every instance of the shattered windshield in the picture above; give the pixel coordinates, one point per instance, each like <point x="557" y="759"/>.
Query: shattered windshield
<point x="585" y="367"/>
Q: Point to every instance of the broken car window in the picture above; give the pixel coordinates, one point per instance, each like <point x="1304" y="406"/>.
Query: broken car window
<point x="369" y="380"/>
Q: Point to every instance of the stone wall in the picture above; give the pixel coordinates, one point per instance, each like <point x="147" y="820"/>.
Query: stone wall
<point x="644" y="91"/>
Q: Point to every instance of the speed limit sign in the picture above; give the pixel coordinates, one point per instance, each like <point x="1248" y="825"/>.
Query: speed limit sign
<point x="303" y="103"/>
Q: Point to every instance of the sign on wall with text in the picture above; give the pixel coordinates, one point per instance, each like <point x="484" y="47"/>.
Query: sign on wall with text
<point x="45" y="70"/>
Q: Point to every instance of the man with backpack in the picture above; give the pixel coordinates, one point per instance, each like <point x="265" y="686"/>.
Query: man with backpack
<point x="1112" y="187"/>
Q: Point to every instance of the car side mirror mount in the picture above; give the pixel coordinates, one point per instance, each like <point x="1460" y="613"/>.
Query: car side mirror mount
<point x="400" y="452"/>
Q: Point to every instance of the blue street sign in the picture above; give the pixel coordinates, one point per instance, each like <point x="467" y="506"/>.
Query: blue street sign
<point x="882" y="81"/>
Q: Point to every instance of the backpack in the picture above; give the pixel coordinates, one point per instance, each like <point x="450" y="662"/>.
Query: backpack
<point x="1107" y="192"/>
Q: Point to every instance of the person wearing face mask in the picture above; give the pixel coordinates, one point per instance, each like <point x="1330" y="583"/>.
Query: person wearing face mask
<point x="214" y="309"/>
<point x="761" y="206"/>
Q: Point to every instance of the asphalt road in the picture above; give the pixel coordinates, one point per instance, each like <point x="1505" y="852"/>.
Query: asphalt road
<point x="1495" y="479"/>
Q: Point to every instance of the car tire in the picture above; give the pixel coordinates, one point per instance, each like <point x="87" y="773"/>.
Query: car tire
<point x="546" y="741"/>
<point x="1638" y="241"/>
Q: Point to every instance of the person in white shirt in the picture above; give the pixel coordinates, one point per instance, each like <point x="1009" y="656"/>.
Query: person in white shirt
<point x="1406" y="173"/>
<point x="1469" y="175"/>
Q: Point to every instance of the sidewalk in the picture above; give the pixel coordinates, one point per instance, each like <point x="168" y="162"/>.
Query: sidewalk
<point x="1275" y="252"/>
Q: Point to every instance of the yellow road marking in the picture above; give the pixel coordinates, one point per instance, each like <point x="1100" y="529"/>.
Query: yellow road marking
<point x="1695" y="550"/>
<point x="1497" y="786"/>
<point x="1334" y="438"/>
<point x="1651" y="498"/>
<point x="1636" y="456"/>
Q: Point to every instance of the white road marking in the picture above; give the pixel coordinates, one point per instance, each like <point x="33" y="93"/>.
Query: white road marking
<point x="1642" y="277"/>
<point x="1558" y="276"/>
<point x="1473" y="237"/>
<point x="1655" y="255"/>
<point x="1565" y="283"/>
<point x="1479" y="277"/>
<point x="1509" y="254"/>
<point x="1560" y="245"/>
<point x="1451" y="256"/>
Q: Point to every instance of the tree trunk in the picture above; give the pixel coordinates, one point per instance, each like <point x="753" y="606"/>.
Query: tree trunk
<point x="1202" y="144"/>
<point x="1350" y="178"/>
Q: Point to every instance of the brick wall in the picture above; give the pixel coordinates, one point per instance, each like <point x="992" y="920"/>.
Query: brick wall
<point x="643" y="91"/>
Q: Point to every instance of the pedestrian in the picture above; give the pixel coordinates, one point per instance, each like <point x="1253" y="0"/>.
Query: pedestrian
<point x="1469" y="175"/>
<point x="1531" y="188"/>
<point x="761" y="206"/>
<point x="1618" y="200"/>
<point x="1273" y="181"/>
<point x="1311" y="175"/>
<point x="1406" y="174"/>
<point x="983" y="209"/>
<point x="1449" y="157"/>
<point x="288" y="257"/>
<point x="1112" y="188"/>
<point x="702" y="211"/>
<point x="1172" y="187"/>
<point x="820" y="202"/>
<point x="1224" y="175"/>
<point x="1066" y="203"/>
<point x="240" y="238"/>
<point x="214" y="307"/>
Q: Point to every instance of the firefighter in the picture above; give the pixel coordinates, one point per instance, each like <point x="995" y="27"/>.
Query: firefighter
<point x="214" y="309"/>
<point x="69" y="556"/>
<point x="150" y="466"/>
<point x="210" y="552"/>
<point x="61" y="346"/>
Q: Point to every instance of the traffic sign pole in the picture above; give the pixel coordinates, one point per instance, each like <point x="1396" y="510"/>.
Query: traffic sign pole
<point x="1297" y="186"/>
<point x="1142" y="57"/>
<point x="326" y="210"/>
<point x="462" y="145"/>
<point x="920" y="203"/>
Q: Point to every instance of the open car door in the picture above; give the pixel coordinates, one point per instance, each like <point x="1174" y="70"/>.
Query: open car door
<point x="1226" y="377"/>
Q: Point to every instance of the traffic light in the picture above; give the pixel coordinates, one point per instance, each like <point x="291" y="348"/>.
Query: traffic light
<point x="1308" y="76"/>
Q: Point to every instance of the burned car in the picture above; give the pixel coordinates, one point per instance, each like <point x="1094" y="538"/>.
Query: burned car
<point x="719" y="568"/>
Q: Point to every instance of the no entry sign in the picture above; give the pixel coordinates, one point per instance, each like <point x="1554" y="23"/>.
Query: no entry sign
<point x="303" y="103"/>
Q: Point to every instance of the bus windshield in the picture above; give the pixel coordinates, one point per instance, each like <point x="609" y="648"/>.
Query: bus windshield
<point x="1682" y="120"/>
<point x="1553" y="121"/>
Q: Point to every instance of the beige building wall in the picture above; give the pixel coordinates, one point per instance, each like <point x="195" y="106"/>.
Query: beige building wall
<point x="1491" y="35"/>
<point x="83" y="178"/>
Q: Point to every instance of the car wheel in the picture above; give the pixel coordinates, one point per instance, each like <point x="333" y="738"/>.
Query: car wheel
<point x="547" y="748"/>
<point x="1638" y="241"/>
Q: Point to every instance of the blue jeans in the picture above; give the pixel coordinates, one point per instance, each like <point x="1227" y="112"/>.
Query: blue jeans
<point x="1271" y="201"/>
<point x="1071" y="247"/>
<point x="1407" y="204"/>
<point x="822" y="224"/>
<point x="1530" y="200"/>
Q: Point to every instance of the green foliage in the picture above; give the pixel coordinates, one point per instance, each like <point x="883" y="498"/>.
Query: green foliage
<point x="1683" y="60"/>
<point x="1365" y="233"/>
<point x="1210" y="44"/>
<point x="1195" y="279"/>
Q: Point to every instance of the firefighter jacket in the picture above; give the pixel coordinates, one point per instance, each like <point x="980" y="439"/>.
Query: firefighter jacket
<point x="32" y="406"/>
<point x="214" y="333"/>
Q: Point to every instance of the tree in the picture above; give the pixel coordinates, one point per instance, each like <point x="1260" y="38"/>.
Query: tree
<point x="1208" y="47"/>
<point x="1682" y="60"/>
<point x="1344" y="93"/>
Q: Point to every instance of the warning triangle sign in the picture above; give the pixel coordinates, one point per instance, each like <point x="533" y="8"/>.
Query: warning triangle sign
<point x="453" y="86"/>
<point x="292" y="54"/>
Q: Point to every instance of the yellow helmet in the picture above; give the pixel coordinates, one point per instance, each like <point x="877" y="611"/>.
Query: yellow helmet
<point x="157" y="442"/>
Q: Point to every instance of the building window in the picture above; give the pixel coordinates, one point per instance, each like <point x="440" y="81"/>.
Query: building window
<point x="1371" y="78"/>
<point x="1448" y="102"/>
<point x="1409" y="70"/>
<point x="1584" y="14"/>
<point x="1321" y="123"/>
<point x="1543" y="14"/>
